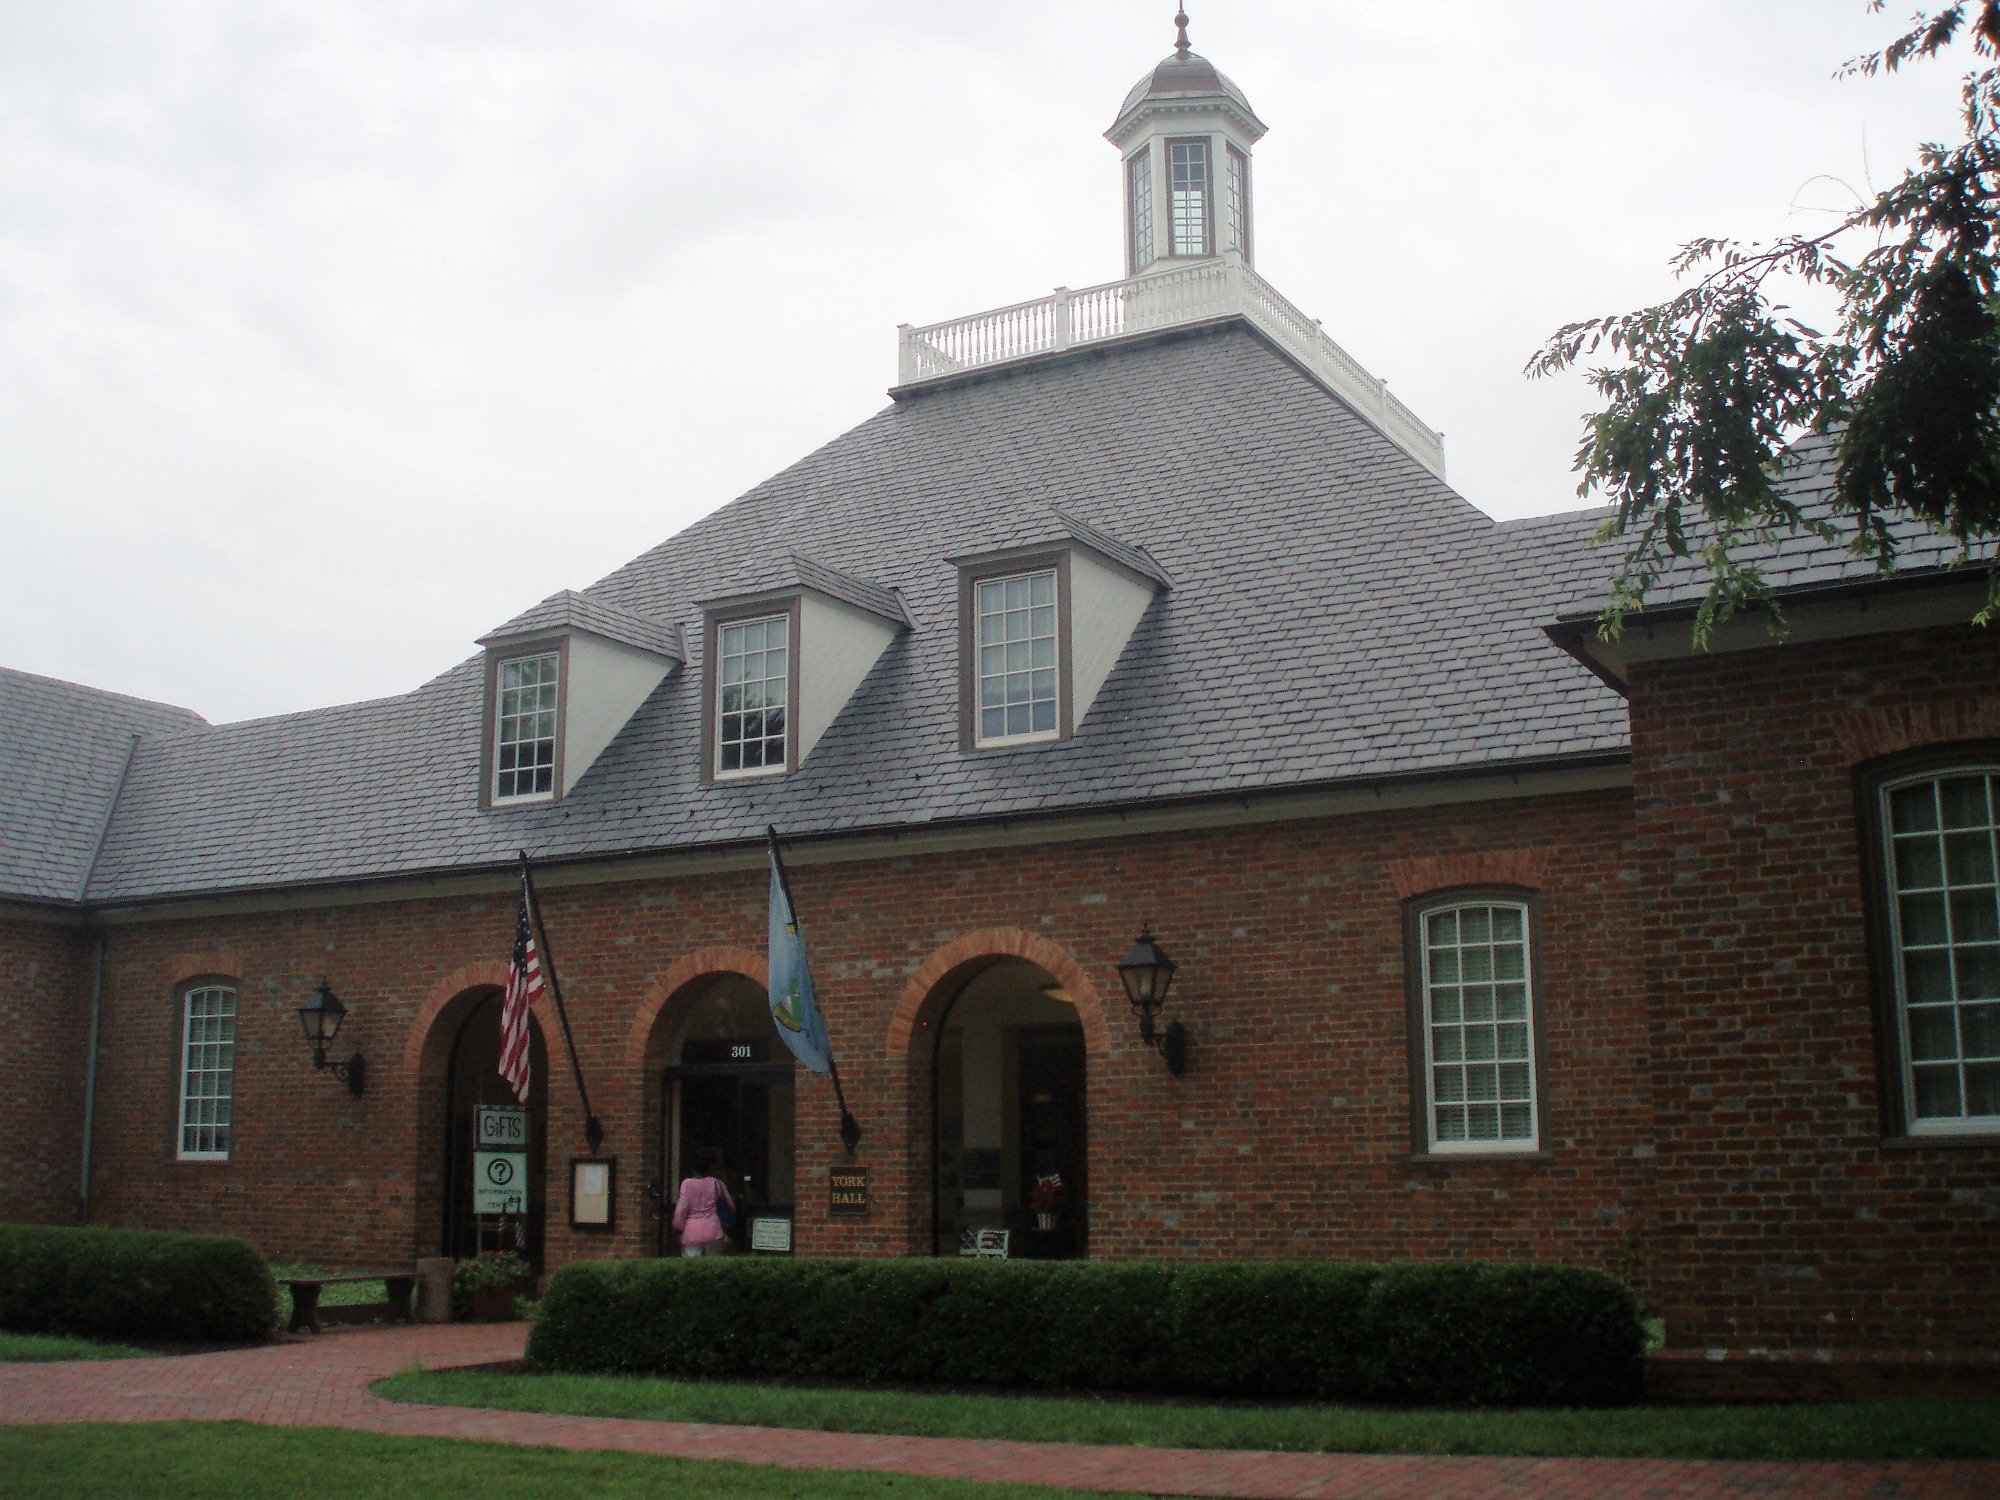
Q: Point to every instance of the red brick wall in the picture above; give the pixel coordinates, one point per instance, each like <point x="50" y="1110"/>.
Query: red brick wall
<point x="1783" y="1216"/>
<point x="1289" y="1135"/>
<point x="44" y="1031"/>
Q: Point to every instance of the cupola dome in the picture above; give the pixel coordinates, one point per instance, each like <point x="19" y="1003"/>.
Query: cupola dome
<point x="1185" y="133"/>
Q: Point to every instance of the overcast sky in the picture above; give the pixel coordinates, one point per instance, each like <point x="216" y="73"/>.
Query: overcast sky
<point x="332" y="335"/>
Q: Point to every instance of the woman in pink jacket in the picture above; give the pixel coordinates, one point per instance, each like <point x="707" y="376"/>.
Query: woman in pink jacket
<point x="697" y="1219"/>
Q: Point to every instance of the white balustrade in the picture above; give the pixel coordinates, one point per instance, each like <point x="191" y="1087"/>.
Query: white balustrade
<point x="1207" y="289"/>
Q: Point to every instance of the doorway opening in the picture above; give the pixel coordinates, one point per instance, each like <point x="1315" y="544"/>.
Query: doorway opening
<point x="1010" y="1142"/>
<point x="473" y="1082"/>
<point x="728" y="1088"/>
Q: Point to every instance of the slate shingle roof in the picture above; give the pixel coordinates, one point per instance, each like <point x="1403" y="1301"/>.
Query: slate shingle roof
<point x="1796" y="563"/>
<point x="62" y="750"/>
<point x="1337" y="612"/>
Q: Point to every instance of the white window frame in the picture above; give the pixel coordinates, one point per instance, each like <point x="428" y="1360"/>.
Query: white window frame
<point x="1434" y="1143"/>
<point x="1142" y="245"/>
<point x="980" y="676"/>
<point x="501" y="716"/>
<point x="1205" y="197"/>
<point x="783" y="619"/>
<point x="1893" y="900"/>
<point x="1236" y="192"/>
<point x="223" y="1131"/>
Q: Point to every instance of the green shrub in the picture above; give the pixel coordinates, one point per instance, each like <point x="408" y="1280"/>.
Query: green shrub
<point x="1489" y="1334"/>
<point x="133" y="1284"/>
<point x="1503" y="1335"/>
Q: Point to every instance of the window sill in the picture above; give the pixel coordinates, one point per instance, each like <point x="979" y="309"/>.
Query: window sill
<point x="1477" y="1158"/>
<point x="507" y="804"/>
<point x="1953" y="1142"/>
<point x="204" y="1159"/>
<point x="1019" y="741"/>
<point x="758" y="773"/>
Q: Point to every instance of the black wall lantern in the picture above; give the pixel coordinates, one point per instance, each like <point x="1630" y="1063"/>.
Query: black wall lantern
<point x="320" y="1019"/>
<point x="1148" y="973"/>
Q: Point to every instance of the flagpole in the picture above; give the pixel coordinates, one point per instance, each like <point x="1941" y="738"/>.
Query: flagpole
<point x="850" y="1128"/>
<point x="593" y="1129"/>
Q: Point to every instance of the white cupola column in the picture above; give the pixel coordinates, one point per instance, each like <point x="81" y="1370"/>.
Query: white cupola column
<point x="1185" y="134"/>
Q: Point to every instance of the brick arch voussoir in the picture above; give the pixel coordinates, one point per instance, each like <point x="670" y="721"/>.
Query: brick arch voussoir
<point x="1879" y="732"/>
<point x="1419" y="876"/>
<point x="206" y="963"/>
<point x="479" y="976"/>
<point x="697" y="964"/>
<point x="1000" y="942"/>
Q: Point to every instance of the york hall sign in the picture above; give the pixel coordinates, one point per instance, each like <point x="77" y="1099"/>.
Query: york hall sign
<point x="847" y="1192"/>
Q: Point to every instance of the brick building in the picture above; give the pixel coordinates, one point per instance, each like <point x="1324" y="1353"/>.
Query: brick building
<point x="1137" y="605"/>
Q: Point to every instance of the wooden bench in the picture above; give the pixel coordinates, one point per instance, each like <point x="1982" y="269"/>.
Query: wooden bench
<point x="305" y="1292"/>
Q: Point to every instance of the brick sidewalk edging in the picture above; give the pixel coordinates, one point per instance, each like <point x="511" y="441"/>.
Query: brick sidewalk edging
<point x="324" y="1382"/>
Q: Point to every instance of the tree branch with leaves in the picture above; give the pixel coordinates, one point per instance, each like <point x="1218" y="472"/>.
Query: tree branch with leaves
<point x="1706" y="393"/>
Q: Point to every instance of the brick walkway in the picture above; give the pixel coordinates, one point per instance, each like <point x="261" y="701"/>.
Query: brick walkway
<point x="324" y="1382"/>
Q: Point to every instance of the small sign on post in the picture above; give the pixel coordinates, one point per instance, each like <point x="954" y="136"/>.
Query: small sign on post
<point x="847" y="1192"/>
<point x="499" y="1182"/>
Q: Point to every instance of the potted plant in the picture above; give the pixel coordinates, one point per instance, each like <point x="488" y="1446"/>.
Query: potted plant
<point x="1047" y="1201"/>
<point x="487" y="1284"/>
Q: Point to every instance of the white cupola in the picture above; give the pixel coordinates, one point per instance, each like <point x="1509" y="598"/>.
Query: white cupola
<point x="1185" y="134"/>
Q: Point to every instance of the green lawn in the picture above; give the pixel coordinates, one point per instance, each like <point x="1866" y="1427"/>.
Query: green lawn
<point x="42" y="1346"/>
<point x="1909" y="1428"/>
<point x="238" y="1461"/>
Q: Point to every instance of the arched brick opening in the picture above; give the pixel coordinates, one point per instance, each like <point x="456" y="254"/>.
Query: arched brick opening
<point x="911" y="1044"/>
<point x="426" y="1062"/>
<point x="654" y="1027"/>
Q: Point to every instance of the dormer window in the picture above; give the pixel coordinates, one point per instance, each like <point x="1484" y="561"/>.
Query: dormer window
<point x="1188" y="196"/>
<point x="562" y="679"/>
<point x="1041" y="625"/>
<point x="753" y="695"/>
<point x="1019" y="658"/>
<point x="526" y="697"/>
<point x="782" y="658"/>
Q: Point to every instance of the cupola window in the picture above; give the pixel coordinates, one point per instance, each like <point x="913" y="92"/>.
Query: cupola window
<point x="1188" y="196"/>
<point x="1139" y="198"/>
<point x="753" y="694"/>
<point x="524" y="743"/>
<point x="1238" y="187"/>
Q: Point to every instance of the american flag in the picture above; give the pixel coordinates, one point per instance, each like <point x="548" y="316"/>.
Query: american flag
<point x="524" y="988"/>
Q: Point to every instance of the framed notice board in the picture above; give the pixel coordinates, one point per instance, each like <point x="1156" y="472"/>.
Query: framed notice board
<point x="593" y="1191"/>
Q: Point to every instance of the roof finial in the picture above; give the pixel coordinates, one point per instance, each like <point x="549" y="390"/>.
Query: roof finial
<point x="1180" y="39"/>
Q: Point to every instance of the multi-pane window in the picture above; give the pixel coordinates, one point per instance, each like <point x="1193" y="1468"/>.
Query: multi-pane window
<point x="1944" y="915"/>
<point x="1237" y="187"/>
<point x="208" y="1064"/>
<point x="1477" y="1027"/>
<point x="1187" y="196"/>
<point x="524" y="735"/>
<point x="1016" y="671"/>
<point x="1139" y="197"/>
<point x="753" y="688"/>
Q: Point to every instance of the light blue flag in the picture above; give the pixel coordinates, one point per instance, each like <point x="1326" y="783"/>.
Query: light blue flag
<point x="792" y="1004"/>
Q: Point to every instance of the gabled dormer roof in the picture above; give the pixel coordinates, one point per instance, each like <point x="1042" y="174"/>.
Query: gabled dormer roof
<point x="796" y="572"/>
<point x="569" y="610"/>
<point x="1052" y="528"/>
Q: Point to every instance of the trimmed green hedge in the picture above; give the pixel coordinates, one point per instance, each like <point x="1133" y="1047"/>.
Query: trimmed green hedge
<point x="134" y="1284"/>
<point x="1488" y="1334"/>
